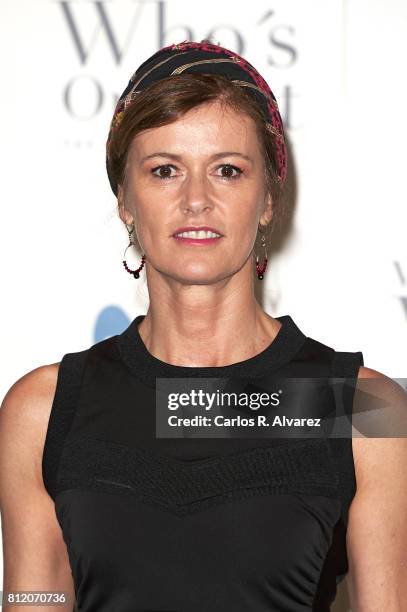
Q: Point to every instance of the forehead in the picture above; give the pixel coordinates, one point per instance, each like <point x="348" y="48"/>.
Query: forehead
<point x="205" y="128"/>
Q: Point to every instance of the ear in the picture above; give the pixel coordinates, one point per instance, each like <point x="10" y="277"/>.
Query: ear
<point x="124" y="214"/>
<point x="267" y="210"/>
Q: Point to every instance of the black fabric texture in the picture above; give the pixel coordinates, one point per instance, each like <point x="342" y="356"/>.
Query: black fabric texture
<point x="196" y="524"/>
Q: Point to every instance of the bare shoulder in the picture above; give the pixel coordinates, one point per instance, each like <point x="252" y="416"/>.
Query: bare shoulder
<point x="380" y="457"/>
<point x="35" y="554"/>
<point x="377" y="529"/>
<point x="24" y="416"/>
<point x="29" y="397"/>
<point x="36" y="380"/>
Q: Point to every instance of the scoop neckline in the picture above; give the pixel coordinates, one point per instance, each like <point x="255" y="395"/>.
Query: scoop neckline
<point x="147" y="367"/>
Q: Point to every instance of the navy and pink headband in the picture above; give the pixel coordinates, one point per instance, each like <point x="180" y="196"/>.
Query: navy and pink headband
<point x="204" y="57"/>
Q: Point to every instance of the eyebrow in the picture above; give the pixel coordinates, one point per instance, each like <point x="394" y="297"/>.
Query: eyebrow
<point x="179" y="157"/>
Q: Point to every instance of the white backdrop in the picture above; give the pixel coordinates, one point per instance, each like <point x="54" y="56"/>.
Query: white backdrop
<point x="336" y="69"/>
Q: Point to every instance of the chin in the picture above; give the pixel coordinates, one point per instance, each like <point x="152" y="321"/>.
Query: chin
<point x="196" y="277"/>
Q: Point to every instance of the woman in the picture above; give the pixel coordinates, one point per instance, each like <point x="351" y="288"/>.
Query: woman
<point x="93" y="502"/>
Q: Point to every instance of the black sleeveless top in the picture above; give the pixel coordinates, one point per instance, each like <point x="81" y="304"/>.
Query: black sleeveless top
<point x="192" y="525"/>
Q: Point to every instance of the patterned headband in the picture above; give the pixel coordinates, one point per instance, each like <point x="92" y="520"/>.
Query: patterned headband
<point x="204" y="57"/>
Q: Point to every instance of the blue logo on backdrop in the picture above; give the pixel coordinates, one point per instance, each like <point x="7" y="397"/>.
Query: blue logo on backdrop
<point x="111" y="320"/>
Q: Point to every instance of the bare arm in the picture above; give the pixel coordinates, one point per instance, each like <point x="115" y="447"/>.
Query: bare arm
<point x="34" y="552"/>
<point x="377" y="529"/>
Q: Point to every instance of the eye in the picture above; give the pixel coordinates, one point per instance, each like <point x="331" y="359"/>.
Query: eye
<point x="165" y="167"/>
<point x="230" y="168"/>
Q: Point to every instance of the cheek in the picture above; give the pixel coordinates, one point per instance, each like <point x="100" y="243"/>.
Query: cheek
<point x="141" y="206"/>
<point x="242" y="213"/>
<point x="156" y="215"/>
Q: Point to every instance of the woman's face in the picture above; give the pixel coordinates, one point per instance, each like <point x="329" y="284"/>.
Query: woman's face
<point x="205" y="169"/>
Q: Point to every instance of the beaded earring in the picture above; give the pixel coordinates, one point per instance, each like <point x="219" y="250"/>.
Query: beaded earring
<point x="135" y="273"/>
<point x="260" y="269"/>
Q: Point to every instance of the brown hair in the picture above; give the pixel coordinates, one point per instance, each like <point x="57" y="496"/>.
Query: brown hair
<point x="168" y="99"/>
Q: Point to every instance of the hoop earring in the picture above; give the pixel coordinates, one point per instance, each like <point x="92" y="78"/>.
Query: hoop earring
<point x="260" y="269"/>
<point x="135" y="273"/>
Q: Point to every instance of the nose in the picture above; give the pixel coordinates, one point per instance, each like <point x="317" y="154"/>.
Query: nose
<point x="196" y="193"/>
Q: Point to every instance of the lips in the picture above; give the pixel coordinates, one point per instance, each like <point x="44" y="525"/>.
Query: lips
<point x="191" y="228"/>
